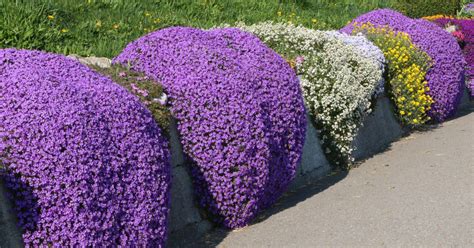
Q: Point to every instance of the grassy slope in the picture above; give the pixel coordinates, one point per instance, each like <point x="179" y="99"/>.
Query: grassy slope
<point x="104" y="27"/>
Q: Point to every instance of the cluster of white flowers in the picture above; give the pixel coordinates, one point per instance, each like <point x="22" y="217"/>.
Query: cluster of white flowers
<point x="365" y="48"/>
<point x="339" y="75"/>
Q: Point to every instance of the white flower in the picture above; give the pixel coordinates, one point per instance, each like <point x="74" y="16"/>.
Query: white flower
<point x="450" y="28"/>
<point x="162" y="100"/>
<point x="338" y="75"/>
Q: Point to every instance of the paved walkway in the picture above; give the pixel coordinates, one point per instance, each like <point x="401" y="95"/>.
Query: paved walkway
<point x="420" y="192"/>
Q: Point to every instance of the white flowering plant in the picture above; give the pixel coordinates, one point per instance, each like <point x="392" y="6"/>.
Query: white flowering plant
<point x="339" y="75"/>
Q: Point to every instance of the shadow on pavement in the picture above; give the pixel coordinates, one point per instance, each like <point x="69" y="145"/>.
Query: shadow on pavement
<point x="288" y="200"/>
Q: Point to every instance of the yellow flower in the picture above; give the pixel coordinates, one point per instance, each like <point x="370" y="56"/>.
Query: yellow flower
<point x="98" y="24"/>
<point x="147" y="14"/>
<point x="402" y="112"/>
<point x="64" y="30"/>
<point x="279" y="13"/>
<point x="157" y="20"/>
<point x="51" y="17"/>
<point x="115" y="26"/>
<point x="314" y="20"/>
<point x="415" y="121"/>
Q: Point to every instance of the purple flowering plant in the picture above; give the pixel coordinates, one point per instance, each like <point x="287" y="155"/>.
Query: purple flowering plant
<point x="446" y="75"/>
<point x="240" y="114"/>
<point x="149" y="92"/>
<point x="466" y="27"/>
<point x="85" y="162"/>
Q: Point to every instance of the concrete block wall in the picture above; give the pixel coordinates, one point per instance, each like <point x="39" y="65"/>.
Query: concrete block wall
<point x="10" y="234"/>
<point x="379" y="129"/>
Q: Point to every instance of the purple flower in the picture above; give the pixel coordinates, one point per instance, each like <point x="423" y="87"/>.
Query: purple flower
<point x="466" y="27"/>
<point x="240" y="112"/>
<point x="469" y="7"/>
<point x="86" y="162"/>
<point x="446" y="75"/>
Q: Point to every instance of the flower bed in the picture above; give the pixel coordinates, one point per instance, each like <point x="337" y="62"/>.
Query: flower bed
<point x="406" y="70"/>
<point x="85" y="160"/>
<point x="463" y="31"/>
<point x="240" y="112"/>
<point x="445" y="77"/>
<point x="339" y="78"/>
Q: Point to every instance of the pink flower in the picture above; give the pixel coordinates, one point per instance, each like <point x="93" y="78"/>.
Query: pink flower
<point x="458" y="35"/>
<point x="299" y="60"/>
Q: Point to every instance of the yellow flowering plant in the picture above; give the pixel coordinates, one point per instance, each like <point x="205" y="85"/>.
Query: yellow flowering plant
<point x="406" y="70"/>
<point x="440" y="16"/>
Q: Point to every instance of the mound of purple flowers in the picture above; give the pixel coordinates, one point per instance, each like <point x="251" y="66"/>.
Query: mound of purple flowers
<point x="240" y="111"/>
<point x="85" y="161"/>
<point x="446" y="75"/>
<point x="466" y="26"/>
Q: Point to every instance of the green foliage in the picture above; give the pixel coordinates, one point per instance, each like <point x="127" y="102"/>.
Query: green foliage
<point x="147" y="90"/>
<point x="421" y="8"/>
<point x="103" y="27"/>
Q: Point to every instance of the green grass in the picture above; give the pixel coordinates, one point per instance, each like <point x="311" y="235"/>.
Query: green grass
<point x="104" y="27"/>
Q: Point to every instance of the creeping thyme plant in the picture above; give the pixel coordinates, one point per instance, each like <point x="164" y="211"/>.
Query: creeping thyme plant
<point x="406" y="70"/>
<point x="338" y="81"/>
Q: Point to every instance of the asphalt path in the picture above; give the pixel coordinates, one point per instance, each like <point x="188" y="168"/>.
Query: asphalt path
<point x="420" y="192"/>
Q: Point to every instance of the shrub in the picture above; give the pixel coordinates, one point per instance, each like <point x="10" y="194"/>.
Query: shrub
<point x="240" y="114"/>
<point x="338" y="80"/>
<point x="420" y="8"/>
<point x="406" y="70"/>
<point x="85" y="160"/>
<point x="445" y="77"/>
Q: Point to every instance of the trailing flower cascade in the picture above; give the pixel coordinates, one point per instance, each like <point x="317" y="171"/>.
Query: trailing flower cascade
<point x="338" y="80"/>
<point x="406" y="70"/>
<point x="85" y="161"/>
<point x="240" y="114"/>
<point x="446" y="75"/>
<point x="463" y="30"/>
